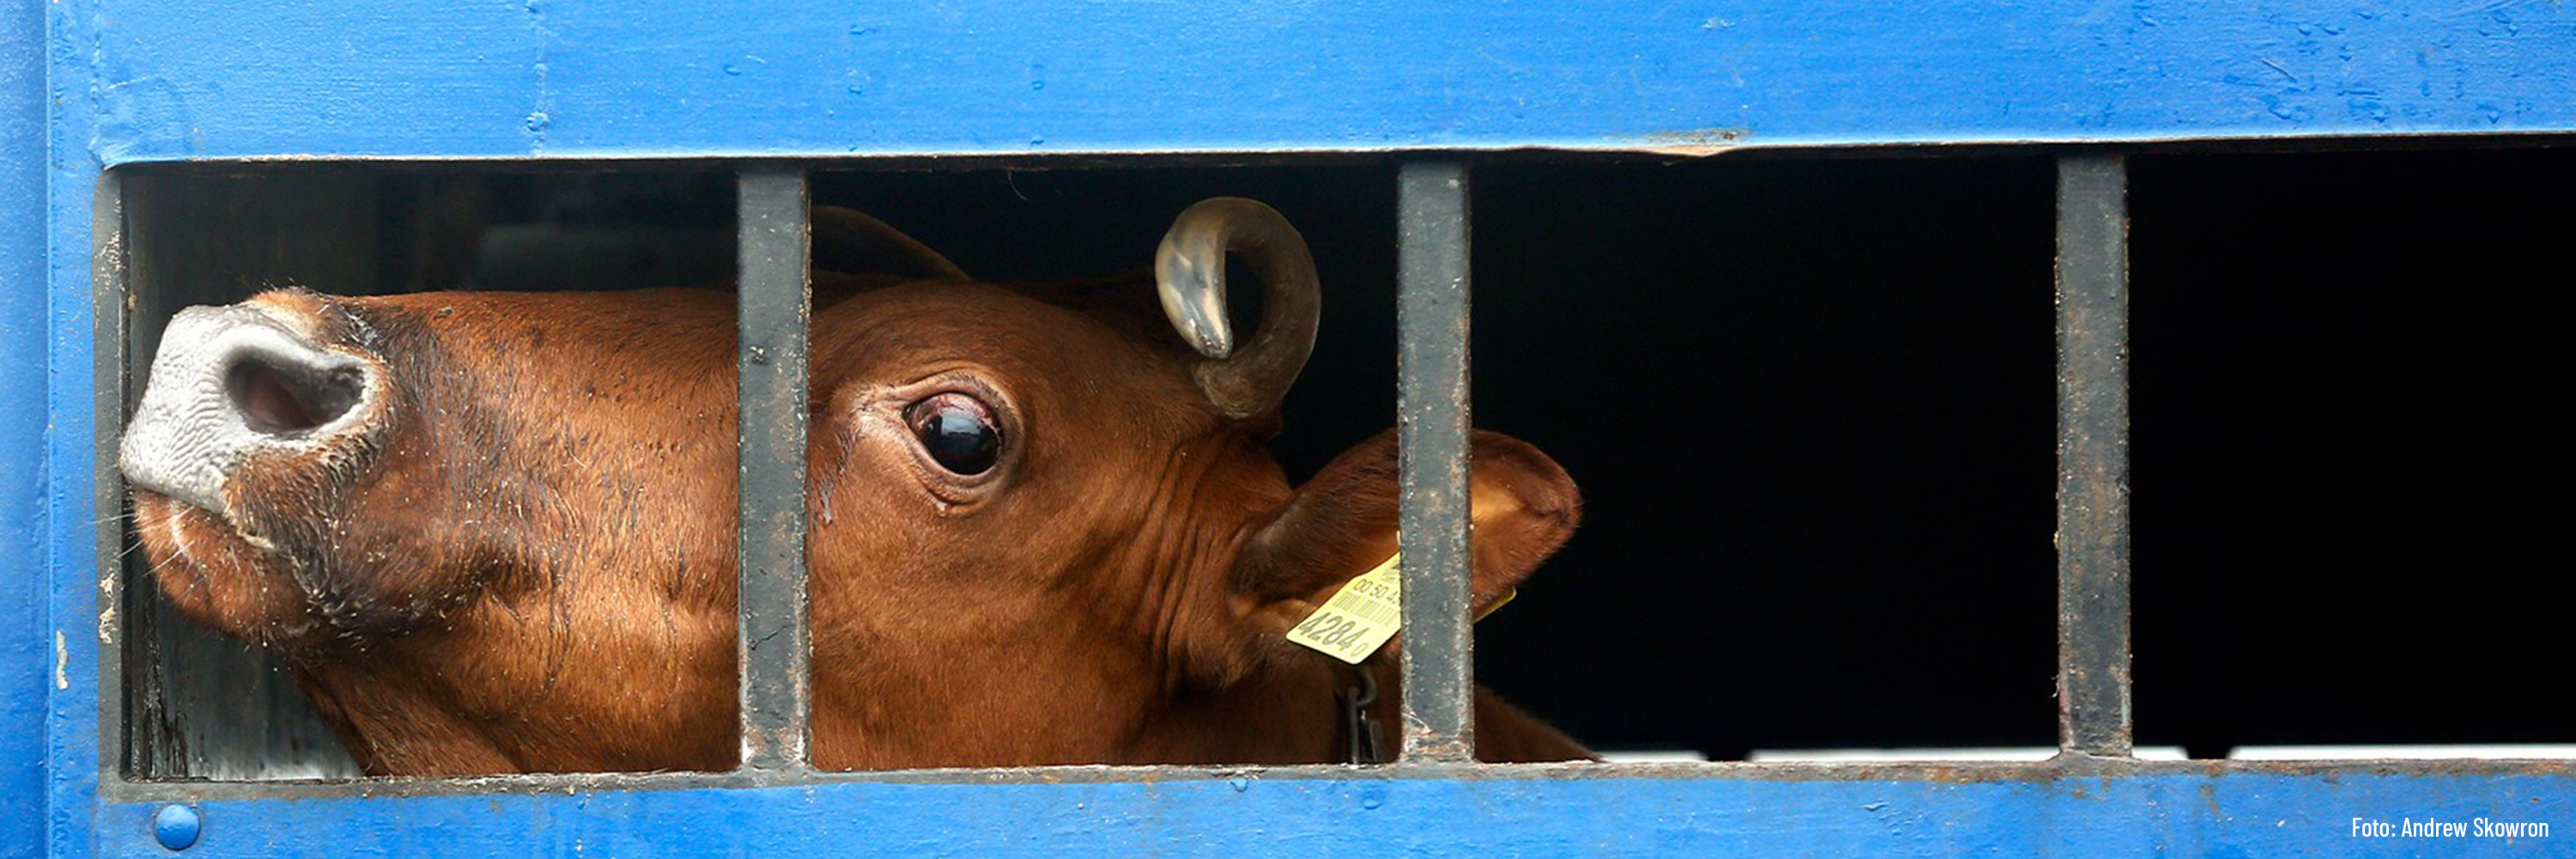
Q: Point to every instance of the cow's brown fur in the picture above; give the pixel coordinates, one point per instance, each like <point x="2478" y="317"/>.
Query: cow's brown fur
<point x="530" y="565"/>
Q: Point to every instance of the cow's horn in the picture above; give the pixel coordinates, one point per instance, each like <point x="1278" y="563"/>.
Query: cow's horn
<point x="855" y="242"/>
<point x="1189" y="274"/>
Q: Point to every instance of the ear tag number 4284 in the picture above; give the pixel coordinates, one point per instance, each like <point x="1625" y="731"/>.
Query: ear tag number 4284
<point x="1363" y="614"/>
<point x="1359" y="617"/>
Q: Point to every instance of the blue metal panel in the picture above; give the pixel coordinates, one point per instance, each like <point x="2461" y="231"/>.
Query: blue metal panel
<point x="666" y="77"/>
<point x="68" y="505"/>
<point x="25" y="650"/>
<point x="2252" y="815"/>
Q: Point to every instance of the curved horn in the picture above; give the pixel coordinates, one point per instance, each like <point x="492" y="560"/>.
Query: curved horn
<point x="1189" y="275"/>
<point x="855" y="242"/>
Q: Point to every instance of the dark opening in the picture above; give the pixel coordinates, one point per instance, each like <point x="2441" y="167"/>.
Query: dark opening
<point x="2342" y="376"/>
<point x="1811" y="406"/>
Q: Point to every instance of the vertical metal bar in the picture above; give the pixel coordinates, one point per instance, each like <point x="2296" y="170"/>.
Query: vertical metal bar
<point x="776" y="297"/>
<point x="1431" y="414"/>
<point x="2093" y="456"/>
<point x="108" y="387"/>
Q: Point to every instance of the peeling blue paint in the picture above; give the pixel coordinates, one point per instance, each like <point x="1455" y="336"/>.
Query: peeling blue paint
<point x="541" y="109"/>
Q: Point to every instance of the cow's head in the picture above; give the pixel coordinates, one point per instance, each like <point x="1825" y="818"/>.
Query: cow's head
<point x="494" y="532"/>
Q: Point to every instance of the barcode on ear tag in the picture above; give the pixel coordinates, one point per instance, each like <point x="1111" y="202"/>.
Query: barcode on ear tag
<point x="1359" y="617"/>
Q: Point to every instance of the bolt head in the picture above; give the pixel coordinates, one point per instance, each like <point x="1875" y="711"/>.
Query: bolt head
<point x="176" y="826"/>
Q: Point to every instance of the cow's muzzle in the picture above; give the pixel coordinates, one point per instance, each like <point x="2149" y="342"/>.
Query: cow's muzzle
<point x="230" y="384"/>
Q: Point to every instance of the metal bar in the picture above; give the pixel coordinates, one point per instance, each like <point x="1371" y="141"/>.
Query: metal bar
<point x="109" y="383"/>
<point x="2093" y="456"/>
<point x="1431" y="414"/>
<point x="776" y="297"/>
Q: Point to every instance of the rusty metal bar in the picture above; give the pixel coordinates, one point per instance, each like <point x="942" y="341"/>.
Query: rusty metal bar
<point x="2093" y="456"/>
<point x="1431" y="414"/>
<point x="776" y="299"/>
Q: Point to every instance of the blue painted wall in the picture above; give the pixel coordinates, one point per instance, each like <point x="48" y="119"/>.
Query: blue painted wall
<point x="678" y="77"/>
<point x="25" y="650"/>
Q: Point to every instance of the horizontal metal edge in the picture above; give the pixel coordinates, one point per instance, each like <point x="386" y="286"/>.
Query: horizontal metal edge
<point x="988" y="159"/>
<point x="2249" y="815"/>
<point x="165" y="79"/>
<point x="1955" y="772"/>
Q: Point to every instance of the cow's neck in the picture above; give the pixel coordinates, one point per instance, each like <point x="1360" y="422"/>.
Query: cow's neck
<point x="1030" y="692"/>
<point x="1286" y="714"/>
<point x="507" y="690"/>
<point x="1043" y="693"/>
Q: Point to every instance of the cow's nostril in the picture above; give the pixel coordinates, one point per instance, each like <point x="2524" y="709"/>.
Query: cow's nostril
<point x="286" y="400"/>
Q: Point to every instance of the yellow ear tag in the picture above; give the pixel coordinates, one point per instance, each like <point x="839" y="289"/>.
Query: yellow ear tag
<point x="1359" y="617"/>
<point x="1366" y="612"/>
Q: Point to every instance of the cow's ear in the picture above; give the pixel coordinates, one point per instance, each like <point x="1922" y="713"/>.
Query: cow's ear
<point x="1343" y="522"/>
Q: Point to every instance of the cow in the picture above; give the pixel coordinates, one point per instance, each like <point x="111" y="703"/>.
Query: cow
<point x="496" y="532"/>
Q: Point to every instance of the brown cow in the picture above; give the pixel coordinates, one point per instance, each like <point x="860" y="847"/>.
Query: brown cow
<point x="494" y="532"/>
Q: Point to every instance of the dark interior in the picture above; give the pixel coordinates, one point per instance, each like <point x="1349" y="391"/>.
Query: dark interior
<point x="1811" y="404"/>
<point x="1810" y="401"/>
<point x="2340" y="383"/>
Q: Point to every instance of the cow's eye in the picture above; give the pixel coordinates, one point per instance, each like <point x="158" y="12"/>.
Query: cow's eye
<point x="958" y="432"/>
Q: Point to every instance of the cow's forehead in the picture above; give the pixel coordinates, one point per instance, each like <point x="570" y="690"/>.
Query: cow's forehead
<point x="1029" y="333"/>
